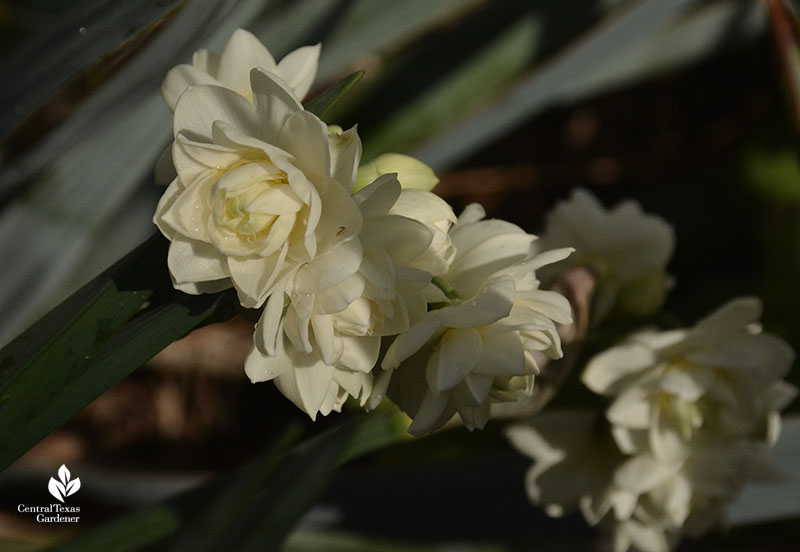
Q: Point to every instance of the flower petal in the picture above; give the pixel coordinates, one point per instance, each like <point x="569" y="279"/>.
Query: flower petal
<point x="492" y="303"/>
<point x="503" y="356"/>
<point x="193" y="261"/>
<point x="329" y="269"/>
<point x="453" y="358"/>
<point x="607" y="372"/>
<point x="179" y="79"/>
<point x="200" y="106"/>
<point x="345" y="152"/>
<point x="274" y="102"/>
<point x="643" y="473"/>
<point x="360" y="353"/>
<point x="253" y="277"/>
<point x="306" y="137"/>
<point x="243" y="52"/>
<point x="376" y="199"/>
<point x="298" y="68"/>
<point x="263" y="367"/>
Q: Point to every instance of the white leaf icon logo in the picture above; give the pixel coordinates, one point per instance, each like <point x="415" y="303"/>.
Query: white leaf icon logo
<point x="65" y="487"/>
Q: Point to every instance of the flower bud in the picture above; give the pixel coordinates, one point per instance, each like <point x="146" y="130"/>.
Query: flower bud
<point x="411" y="172"/>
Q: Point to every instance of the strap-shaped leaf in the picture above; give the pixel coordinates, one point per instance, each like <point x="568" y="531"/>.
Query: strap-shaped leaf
<point x="323" y="101"/>
<point x="86" y="345"/>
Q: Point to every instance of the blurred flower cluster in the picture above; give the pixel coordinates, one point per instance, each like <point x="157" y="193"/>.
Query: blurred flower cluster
<point x="691" y="413"/>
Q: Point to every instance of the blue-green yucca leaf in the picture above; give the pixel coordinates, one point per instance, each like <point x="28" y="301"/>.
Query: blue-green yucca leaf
<point x="82" y="35"/>
<point x="634" y="41"/>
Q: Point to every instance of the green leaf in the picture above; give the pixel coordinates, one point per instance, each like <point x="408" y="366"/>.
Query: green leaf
<point x="253" y="507"/>
<point x="86" y="345"/>
<point x="320" y="104"/>
<point x="209" y="529"/>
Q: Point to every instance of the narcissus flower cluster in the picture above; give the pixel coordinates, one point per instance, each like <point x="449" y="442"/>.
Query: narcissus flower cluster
<point x="368" y="286"/>
<point x="343" y="258"/>
<point x="692" y="417"/>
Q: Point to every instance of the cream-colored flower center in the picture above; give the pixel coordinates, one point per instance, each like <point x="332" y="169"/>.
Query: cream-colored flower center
<point x="686" y="415"/>
<point x="361" y="317"/>
<point x="255" y="201"/>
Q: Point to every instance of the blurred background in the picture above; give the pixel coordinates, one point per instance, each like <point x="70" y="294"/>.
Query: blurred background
<point x="689" y="106"/>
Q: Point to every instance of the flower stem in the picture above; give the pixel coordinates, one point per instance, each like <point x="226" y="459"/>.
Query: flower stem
<point x="446" y="288"/>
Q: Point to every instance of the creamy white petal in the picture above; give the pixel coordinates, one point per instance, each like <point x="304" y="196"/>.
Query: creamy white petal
<point x="194" y="261"/>
<point x="329" y="269"/>
<point x="299" y="67"/>
<point x="164" y="204"/>
<point x="642" y="473"/>
<point x="322" y="324"/>
<point x="456" y="354"/>
<point x="194" y="159"/>
<point x="666" y="441"/>
<point x="360" y="353"/>
<point x="274" y="102"/>
<point x="378" y="198"/>
<point x="307" y="138"/>
<point x="606" y="373"/>
<point x="408" y="343"/>
<point x="242" y="52"/>
<point x="200" y="106"/>
<point x="263" y="367"/>
<point x="403" y="238"/>
<point x="307" y="383"/>
<point x="492" y="302"/>
<point x="502" y="356"/>
<point x="268" y="327"/>
<point x="428" y="414"/>
<point x="254" y="277"/>
<point x="345" y="152"/>
<point x="207" y="61"/>
<point x="180" y="78"/>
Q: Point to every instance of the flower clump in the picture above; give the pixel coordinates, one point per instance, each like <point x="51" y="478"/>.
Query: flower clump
<point x="692" y="417"/>
<point x="367" y="286"/>
<point x="342" y="259"/>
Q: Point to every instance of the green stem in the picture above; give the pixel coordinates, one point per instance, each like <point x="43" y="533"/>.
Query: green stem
<point x="446" y="288"/>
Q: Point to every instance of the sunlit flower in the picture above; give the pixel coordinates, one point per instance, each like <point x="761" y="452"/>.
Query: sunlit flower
<point x="412" y="173"/>
<point x="330" y="315"/>
<point x="242" y="53"/>
<point x="627" y="249"/>
<point x="693" y="417"/>
<point x="467" y="354"/>
<point x="259" y="192"/>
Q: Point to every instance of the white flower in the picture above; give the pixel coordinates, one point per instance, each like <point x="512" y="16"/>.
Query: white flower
<point x="467" y="354"/>
<point x="574" y="460"/>
<point x="319" y="336"/>
<point x="242" y="53"/>
<point x="697" y="411"/>
<point x="626" y="248"/>
<point x="259" y="192"/>
<point x="693" y="416"/>
<point x="412" y="173"/>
